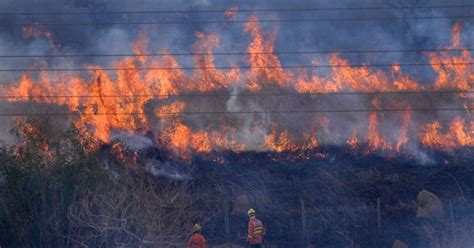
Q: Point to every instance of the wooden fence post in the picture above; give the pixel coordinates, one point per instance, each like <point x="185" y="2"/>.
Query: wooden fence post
<point x="226" y="221"/>
<point x="379" y="215"/>
<point x="451" y="220"/>
<point x="303" y="222"/>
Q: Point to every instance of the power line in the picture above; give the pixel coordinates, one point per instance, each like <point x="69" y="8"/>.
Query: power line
<point x="235" y="112"/>
<point x="233" y="53"/>
<point x="243" y="94"/>
<point x="240" y="21"/>
<point x="238" y="10"/>
<point x="232" y="67"/>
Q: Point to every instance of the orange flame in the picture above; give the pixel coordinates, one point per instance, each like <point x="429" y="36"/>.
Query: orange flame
<point x="264" y="64"/>
<point x="35" y="31"/>
<point x="120" y="100"/>
<point x="231" y="13"/>
<point x="455" y="73"/>
<point x="457" y="135"/>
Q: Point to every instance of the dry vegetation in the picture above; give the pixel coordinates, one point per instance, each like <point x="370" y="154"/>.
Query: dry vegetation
<point x="56" y="193"/>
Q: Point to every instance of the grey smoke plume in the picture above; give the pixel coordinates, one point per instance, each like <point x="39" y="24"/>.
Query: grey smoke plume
<point x="164" y="169"/>
<point x="251" y="128"/>
<point x="251" y="137"/>
<point x="132" y="142"/>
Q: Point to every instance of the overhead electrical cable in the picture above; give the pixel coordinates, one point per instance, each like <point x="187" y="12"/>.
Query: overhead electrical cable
<point x="177" y="11"/>
<point x="236" y="112"/>
<point x="94" y="24"/>
<point x="240" y="94"/>
<point x="233" y="53"/>
<point x="231" y="67"/>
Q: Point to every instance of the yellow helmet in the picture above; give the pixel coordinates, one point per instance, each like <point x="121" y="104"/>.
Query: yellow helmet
<point x="251" y="212"/>
<point x="197" y="227"/>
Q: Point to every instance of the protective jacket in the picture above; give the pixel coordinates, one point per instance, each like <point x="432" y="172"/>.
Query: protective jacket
<point x="256" y="231"/>
<point x="196" y="241"/>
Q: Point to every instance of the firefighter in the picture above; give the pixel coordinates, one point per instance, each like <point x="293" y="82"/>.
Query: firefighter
<point x="256" y="230"/>
<point x="197" y="240"/>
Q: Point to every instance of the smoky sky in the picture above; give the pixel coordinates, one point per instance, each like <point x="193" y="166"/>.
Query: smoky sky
<point x="179" y="38"/>
<point x="304" y="36"/>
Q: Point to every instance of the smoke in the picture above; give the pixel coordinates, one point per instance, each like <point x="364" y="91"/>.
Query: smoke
<point x="251" y="129"/>
<point x="6" y="124"/>
<point x="164" y="170"/>
<point x="254" y="127"/>
<point x="132" y="142"/>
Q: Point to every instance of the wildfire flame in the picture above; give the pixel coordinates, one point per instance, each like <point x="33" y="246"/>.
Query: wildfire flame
<point x="231" y="13"/>
<point x="139" y="89"/>
<point x="35" y="31"/>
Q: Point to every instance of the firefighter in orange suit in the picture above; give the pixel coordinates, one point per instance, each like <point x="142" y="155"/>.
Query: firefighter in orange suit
<point x="256" y="230"/>
<point x="197" y="240"/>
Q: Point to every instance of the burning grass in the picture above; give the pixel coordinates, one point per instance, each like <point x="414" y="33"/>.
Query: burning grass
<point x="161" y="100"/>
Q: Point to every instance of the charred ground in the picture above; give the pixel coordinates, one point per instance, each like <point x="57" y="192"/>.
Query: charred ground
<point x="74" y="197"/>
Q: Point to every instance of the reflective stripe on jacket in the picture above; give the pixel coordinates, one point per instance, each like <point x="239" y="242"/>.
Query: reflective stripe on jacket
<point x="256" y="231"/>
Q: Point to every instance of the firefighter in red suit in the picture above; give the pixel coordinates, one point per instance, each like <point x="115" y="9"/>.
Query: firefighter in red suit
<point x="197" y="240"/>
<point x="256" y="230"/>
